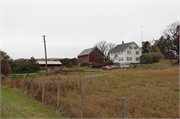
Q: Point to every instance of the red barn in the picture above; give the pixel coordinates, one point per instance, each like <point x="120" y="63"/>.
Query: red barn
<point x="91" y="55"/>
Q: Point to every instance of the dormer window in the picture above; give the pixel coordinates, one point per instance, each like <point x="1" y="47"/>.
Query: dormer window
<point x="130" y="47"/>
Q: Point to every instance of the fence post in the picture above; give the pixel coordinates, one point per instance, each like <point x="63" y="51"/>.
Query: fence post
<point x="23" y="80"/>
<point x="80" y="84"/>
<point x="124" y="108"/>
<point x="12" y="81"/>
<point x="82" y="103"/>
<point x="43" y="91"/>
<point x="22" y="85"/>
<point x="31" y="84"/>
<point x="17" y="81"/>
<point x="11" y="77"/>
<point x="58" y="95"/>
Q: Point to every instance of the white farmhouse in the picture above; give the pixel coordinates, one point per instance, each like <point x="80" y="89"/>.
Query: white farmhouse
<point x="126" y="54"/>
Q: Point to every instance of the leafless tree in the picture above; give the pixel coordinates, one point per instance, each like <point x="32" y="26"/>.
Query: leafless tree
<point x="105" y="48"/>
<point x="169" y="34"/>
<point x="169" y="41"/>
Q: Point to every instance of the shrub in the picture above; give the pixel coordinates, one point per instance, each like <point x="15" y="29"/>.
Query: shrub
<point x="88" y="66"/>
<point x="156" y="59"/>
<point x="97" y="65"/>
<point x="135" y="65"/>
<point x="144" y="59"/>
<point x="83" y="64"/>
<point x="109" y="62"/>
<point x="70" y="64"/>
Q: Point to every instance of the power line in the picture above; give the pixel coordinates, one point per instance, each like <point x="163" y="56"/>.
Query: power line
<point x="35" y="48"/>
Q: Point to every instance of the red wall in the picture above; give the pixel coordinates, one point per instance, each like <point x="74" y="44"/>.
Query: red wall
<point x="83" y="59"/>
<point x="95" y="56"/>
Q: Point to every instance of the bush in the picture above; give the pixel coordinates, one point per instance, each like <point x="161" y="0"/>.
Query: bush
<point x="98" y="65"/>
<point x="88" y="66"/>
<point x="109" y="62"/>
<point x="144" y="59"/>
<point x="83" y="64"/>
<point x="135" y="65"/>
<point x="102" y="64"/>
<point x="156" y="59"/>
<point x="70" y="64"/>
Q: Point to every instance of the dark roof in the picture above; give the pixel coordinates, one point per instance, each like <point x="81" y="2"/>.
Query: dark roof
<point x="86" y="51"/>
<point x="151" y="53"/>
<point x="122" y="47"/>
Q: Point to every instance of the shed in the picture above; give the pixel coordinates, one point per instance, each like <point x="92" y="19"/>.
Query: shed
<point x="50" y="63"/>
<point x="156" y="54"/>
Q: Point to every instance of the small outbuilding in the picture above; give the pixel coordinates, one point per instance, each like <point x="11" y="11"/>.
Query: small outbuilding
<point x="155" y="54"/>
<point x="91" y="55"/>
<point x="50" y="63"/>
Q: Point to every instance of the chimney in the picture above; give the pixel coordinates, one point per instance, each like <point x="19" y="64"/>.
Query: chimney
<point x="122" y="42"/>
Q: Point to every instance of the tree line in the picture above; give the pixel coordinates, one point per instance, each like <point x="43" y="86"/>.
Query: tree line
<point x="167" y="44"/>
<point x="10" y="66"/>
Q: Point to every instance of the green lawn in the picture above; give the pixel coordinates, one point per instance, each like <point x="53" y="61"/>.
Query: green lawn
<point x="14" y="104"/>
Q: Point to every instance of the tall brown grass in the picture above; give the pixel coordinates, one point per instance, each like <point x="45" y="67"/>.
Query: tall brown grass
<point x="151" y="93"/>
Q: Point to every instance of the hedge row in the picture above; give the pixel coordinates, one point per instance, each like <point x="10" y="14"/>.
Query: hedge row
<point x="102" y="64"/>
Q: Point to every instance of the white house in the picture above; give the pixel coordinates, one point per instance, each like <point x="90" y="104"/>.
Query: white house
<point x="126" y="54"/>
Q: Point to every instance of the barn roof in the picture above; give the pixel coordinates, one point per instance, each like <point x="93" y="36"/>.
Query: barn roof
<point x="49" y="62"/>
<point x="86" y="52"/>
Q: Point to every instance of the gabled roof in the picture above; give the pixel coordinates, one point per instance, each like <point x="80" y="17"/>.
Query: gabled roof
<point x="49" y="62"/>
<point x="86" y="51"/>
<point x="122" y="47"/>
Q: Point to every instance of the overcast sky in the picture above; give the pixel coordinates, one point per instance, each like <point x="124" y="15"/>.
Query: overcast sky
<point x="70" y="27"/>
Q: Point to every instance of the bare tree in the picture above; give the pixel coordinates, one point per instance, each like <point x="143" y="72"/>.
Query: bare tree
<point x="170" y="35"/>
<point x="105" y="48"/>
<point x="169" y="41"/>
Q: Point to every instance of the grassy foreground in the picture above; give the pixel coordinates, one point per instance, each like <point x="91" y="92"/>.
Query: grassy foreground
<point x="149" y="93"/>
<point x="14" y="104"/>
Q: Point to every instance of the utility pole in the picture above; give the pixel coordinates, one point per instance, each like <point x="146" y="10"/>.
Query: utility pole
<point x="45" y="53"/>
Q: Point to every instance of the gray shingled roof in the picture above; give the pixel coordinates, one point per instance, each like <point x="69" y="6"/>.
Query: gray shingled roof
<point x="86" y="51"/>
<point x="122" y="47"/>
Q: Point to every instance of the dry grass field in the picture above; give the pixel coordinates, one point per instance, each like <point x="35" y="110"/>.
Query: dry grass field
<point x="150" y="93"/>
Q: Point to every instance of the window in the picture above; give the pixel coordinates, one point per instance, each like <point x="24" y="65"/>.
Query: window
<point x="137" y="58"/>
<point x="121" y="59"/>
<point x="121" y="52"/>
<point x="130" y="47"/>
<point x="135" y="47"/>
<point x="127" y="64"/>
<point x="122" y="64"/>
<point x="137" y="52"/>
<point x="129" y="58"/>
<point x="129" y="52"/>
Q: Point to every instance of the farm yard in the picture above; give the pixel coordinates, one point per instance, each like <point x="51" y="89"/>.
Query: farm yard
<point x="149" y="93"/>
